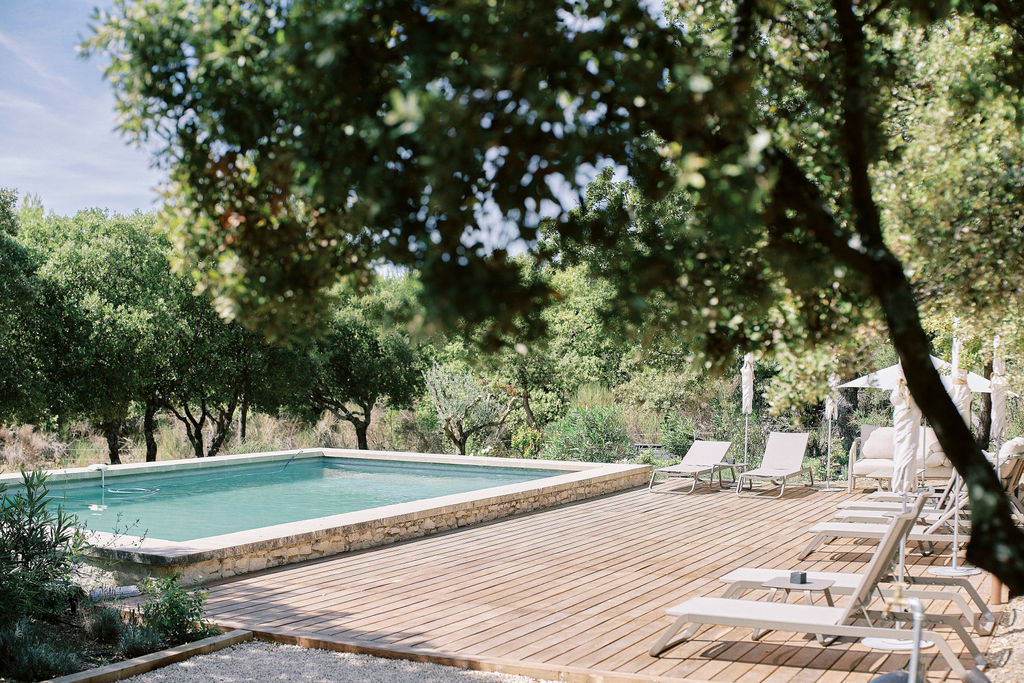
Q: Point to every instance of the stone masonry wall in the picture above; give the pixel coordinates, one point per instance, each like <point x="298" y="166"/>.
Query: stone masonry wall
<point x="106" y="572"/>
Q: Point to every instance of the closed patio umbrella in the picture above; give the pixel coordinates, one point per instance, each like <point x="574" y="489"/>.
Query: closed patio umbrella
<point x="747" y="389"/>
<point x="958" y="389"/>
<point x="999" y="389"/>
<point x="906" y="422"/>
<point x="831" y="414"/>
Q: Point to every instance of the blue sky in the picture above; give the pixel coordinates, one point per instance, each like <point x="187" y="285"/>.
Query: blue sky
<point x="57" y="116"/>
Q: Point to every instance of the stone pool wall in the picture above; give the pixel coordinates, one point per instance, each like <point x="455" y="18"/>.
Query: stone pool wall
<point x="123" y="566"/>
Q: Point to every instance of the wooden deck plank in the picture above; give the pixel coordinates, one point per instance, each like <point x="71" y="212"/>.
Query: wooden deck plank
<point x="582" y="586"/>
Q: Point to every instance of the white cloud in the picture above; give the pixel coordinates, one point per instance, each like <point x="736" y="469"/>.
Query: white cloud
<point x="50" y="81"/>
<point x="10" y="100"/>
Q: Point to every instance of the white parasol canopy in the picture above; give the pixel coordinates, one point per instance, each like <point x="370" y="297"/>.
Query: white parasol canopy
<point x="999" y="389"/>
<point x="906" y="420"/>
<point x="958" y="389"/>
<point x="747" y="383"/>
<point x="886" y="378"/>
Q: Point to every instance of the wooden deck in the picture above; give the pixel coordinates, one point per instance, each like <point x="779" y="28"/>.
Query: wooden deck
<point x="574" y="589"/>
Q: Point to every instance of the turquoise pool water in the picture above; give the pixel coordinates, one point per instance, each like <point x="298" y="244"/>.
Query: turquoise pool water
<point x="185" y="505"/>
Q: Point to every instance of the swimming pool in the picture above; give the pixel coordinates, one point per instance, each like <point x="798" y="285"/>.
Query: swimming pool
<point x="184" y="506"/>
<point x="280" y="521"/>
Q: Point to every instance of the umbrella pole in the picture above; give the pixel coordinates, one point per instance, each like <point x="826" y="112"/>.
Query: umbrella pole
<point x="900" y="644"/>
<point x="828" y="463"/>
<point x="955" y="569"/>
<point x="746" y="432"/>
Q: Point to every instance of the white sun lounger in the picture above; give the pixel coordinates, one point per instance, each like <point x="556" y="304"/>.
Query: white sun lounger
<point x="827" y="531"/>
<point x="936" y="497"/>
<point x="703" y="457"/>
<point x="745" y="579"/>
<point x="939" y="515"/>
<point x="783" y="458"/>
<point x="820" y="620"/>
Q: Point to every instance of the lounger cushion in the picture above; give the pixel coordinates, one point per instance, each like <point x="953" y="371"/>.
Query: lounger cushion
<point x="752" y="613"/>
<point x="873" y="467"/>
<point x="684" y="468"/>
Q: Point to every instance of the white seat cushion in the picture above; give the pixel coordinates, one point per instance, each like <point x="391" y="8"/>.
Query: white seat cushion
<point x="873" y="467"/>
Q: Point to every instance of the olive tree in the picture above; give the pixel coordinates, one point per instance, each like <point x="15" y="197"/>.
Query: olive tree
<point x="466" y="407"/>
<point x="290" y="175"/>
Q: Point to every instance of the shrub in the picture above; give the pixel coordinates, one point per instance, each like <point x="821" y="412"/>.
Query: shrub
<point x="175" y="613"/>
<point x="105" y="625"/>
<point x="137" y="640"/>
<point x="678" y="433"/>
<point x="526" y="442"/>
<point x="26" y="446"/>
<point x="25" y="655"/>
<point x="594" y="434"/>
<point x="40" y="550"/>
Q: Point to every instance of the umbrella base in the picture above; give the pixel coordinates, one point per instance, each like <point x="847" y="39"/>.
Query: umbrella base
<point x="894" y="644"/>
<point x="954" y="571"/>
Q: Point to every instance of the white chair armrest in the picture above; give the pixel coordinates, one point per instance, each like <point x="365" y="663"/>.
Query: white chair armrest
<point x="851" y="480"/>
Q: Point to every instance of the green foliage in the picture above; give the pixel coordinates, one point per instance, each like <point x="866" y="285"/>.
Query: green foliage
<point x="591" y="434"/>
<point x="9" y="222"/>
<point x="282" y="206"/>
<point x="955" y="217"/>
<point x="353" y="366"/>
<point x="40" y="549"/>
<point x="23" y="388"/>
<point x="652" y="458"/>
<point x="678" y="432"/>
<point x="465" y="406"/>
<point x="110" y="305"/>
<point x="27" y="655"/>
<point x="526" y="442"/>
<point x="136" y="640"/>
<point x="750" y="133"/>
<point x="174" y="612"/>
<point x="105" y="625"/>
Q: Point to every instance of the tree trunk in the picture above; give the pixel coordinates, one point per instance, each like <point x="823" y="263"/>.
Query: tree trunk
<point x="530" y="418"/>
<point x="148" y="427"/>
<point x="361" y="429"/>
<point x="996" y="544"/>
<point x="111" y="430"/>
<point x="216" y="442"/>
<point x="222" y="426"/>
<point x="460" y="443"/>
<point x="985" y="413"/>
<point x="242" y="417"/>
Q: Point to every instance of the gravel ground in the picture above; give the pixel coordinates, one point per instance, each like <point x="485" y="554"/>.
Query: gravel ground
<point x="258" y="661"/>
<point x="1006" y="652"/>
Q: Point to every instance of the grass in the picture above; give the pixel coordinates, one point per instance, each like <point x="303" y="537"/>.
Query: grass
<point x="407" y="430"/>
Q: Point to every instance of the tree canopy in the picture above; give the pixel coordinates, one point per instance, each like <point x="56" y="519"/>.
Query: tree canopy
<point x="352" y="366"/>
<point x="749" y="133"/>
